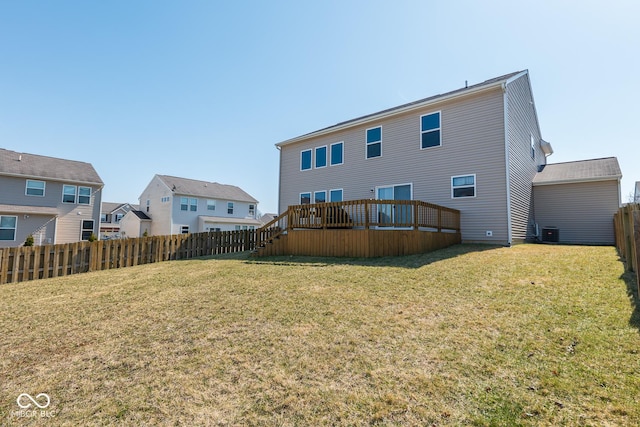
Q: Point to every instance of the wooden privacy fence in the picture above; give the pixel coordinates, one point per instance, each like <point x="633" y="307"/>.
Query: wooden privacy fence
<point x="41" y="262"/>
<point x="627" y="230"/>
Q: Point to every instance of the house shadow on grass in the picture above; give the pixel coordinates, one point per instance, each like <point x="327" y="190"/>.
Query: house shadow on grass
<point x="404" y="261"/>
<point x="632" y="292"/>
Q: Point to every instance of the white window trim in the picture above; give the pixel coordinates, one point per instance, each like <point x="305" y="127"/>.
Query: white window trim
<point x="75" y="194"/>
<point x="533" y="147"/>
<point x="367" y="143"/>
<point x="310" y="163"/>
<point x="431" y="130"/>
<point x="15" y="229"/>
<point x="326" y="157"/>
<point x="184" y="204"/>
<point x="211" y="203"/>
<point x="300" y="196"/>
<point x="26" y="188"/>
<point x="82" y="229"/>
<point x="90" y="194"/>
<point x="331" y="149"/>
<point x="230" y="206"/>
<point x="337" y="189"/>
<point x="475" y="186"/>
<point x="320" y="191"/>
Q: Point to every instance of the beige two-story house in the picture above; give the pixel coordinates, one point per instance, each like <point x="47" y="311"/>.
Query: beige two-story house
<point x="54" y="200"/>
<point x="476" y="149"/>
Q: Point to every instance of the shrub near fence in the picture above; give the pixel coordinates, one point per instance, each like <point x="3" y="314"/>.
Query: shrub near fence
<point x="627" y="229"/>
<point x="41" y="262"/>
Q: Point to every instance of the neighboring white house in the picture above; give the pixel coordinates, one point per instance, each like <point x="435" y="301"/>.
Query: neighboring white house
<point x="135" y="223"/>
<point x="636" y="197"/>
<point x="477" y="149"/>
<point x="54" y="200"/>
<point x="180" y="205"/>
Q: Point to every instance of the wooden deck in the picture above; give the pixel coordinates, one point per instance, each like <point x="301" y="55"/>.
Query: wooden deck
<point x="360" y="228"/>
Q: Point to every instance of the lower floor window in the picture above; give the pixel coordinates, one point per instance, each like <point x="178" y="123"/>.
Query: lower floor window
<point x="8" y="227"/>
<point x="463" y="186"/>
<point x="87" y="229"/>
<point x="184" y="229"/>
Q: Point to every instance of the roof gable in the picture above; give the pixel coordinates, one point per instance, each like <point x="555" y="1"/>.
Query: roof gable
<point x="604" y="169"/>
<point x="36" y="166"/>
<point x="211" y="190"/>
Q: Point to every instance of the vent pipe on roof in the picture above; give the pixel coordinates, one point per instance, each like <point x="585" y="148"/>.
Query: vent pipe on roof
<point x="20" y="157"/>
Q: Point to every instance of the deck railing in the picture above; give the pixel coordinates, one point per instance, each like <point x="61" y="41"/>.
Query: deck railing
<point x="367" y="214"/>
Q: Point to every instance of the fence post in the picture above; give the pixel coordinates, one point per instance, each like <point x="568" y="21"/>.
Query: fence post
<point x="636" y="245"/>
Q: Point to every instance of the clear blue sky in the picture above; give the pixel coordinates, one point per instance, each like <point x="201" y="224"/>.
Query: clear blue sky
<point x="204" y="89"/>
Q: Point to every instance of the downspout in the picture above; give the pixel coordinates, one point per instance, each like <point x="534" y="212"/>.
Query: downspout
<point x="507" y="162"/>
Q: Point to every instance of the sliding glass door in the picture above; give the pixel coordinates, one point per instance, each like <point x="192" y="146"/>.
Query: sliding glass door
<point x="394" y="214"/>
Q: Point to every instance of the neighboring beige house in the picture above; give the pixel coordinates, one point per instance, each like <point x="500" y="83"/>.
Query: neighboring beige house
<point x="180" y="205"/>
<point x="110" y="216"/>
<point x="476" y="149"/>
<point x="577" y="200"/>
<point x="135" y="224"/>
<point x="54" y="200"/>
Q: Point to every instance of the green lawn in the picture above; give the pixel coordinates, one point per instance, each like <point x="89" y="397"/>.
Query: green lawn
<point x="470" y="335"/>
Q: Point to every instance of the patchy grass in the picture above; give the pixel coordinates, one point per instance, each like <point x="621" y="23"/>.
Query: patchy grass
<point x="470" y="335"/>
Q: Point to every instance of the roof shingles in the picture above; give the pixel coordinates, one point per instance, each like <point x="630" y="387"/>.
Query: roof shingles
<point x="604" y="169"/>
<point x="36" y="166"/>
<point x="212" y="190"/>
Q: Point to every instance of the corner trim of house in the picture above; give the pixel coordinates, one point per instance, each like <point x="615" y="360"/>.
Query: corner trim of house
<point x="505" y="101"/>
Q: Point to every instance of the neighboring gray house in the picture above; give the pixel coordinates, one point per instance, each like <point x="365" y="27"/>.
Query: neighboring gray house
<point x="179" y="205"/>
<point x="54" y="200"/>
<point x="578" y="199"/>
<point x="475" y="149"/>
<point x="110" y="216"/>
<point x="636" y="197"/>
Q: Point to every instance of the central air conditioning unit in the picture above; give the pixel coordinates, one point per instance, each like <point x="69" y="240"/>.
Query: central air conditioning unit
<point x="550" y="234"/>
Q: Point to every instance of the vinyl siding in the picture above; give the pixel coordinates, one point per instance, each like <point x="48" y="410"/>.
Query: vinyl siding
<point x="66" y="228"/>
<point x="472" y="143"/>
<point x="583" y="212"/>
<point x="159" y="212"/>
<point x="521" y="125"/>
<point x="190" y="218"/>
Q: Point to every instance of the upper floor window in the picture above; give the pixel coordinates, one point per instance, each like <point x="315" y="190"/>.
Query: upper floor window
<point x="321" y="157"/>
<point x="119" y="218"/>
<point x="193" y="205"/>
<point x="374" y="142"/>
<point x="463" y="186"/>
<point x="335" y="195"/>
<point x="84" y="195"/>
<point x="305" y="160"/>
<point x="184" y="203"/>
<point x="252" y="210"/>
<point x="230" y="208"/>
<point x="104" y="217"/>
<point x="69" y="193"/>
<point x="211" y="205"/>
<point x="35" y="188"/>
<point x="8" y="227"/>
<point x="430" y="135"/>
<point x="337" y="153"/>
